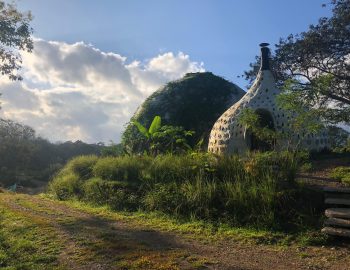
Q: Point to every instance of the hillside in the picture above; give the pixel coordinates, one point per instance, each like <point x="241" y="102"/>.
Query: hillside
<point x="194" y="102"/>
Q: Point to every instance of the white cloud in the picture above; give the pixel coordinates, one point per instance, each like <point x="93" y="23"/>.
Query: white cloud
<point x="75" y="91"/>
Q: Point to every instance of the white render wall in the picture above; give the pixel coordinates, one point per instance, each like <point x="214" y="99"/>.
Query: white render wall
<point x="228" y="136"/>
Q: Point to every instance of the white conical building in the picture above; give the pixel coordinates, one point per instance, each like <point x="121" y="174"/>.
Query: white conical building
<point x="229" y="136"/>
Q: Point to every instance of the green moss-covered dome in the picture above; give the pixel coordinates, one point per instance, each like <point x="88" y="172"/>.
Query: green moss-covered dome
<point x="194" y="102"/>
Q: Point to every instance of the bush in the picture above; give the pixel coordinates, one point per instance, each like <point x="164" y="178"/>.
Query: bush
<point x="82" y="166"/>
<point x="342" y="174"/>
<point x="66" y="185"/>
<point x="257" y="190"/>
<point x="126" y="168"/>
<point x="169" y="168"/>
<point x="115" y="194"/>
<point x="165" y="198"/>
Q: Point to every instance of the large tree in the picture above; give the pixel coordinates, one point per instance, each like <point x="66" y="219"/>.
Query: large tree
<point x="15" y="35"/>
<point x="316" y="63"/>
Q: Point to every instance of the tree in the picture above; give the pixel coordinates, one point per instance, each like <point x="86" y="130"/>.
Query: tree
<point x="163" y="139"/>
<point x="339" y="137"/>
<point x="301" y="120"/>
<point x="26" y="158"/>
<point x="316" y="64"/>
<point x="253" y="122"/>
<point x="112" y="150"/>
<point x="15" y="35"/>
<point x="171" y="139"/>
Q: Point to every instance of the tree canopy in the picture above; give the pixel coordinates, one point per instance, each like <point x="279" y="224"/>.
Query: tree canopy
<point x="26" y="157"/>
<point x="316" y="64"/>
<point x="15" y="35"/>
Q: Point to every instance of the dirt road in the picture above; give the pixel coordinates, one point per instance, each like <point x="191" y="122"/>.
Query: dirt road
<point x="84" y="240"/>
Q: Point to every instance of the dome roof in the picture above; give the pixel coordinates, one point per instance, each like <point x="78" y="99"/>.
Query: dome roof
<point x="194" y="102"/>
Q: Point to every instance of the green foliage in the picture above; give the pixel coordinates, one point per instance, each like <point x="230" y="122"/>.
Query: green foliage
<point x="315" y="64"/>
<point x="242" y="191"/>
<point x="302" y="117"/>
<point x="253" y="122"/>
<point x="339" y="138"/>
<point x="27" y="159"/>
<point x="124" y="168"/>
<point x="112" y="150"/>
<point x="24" y="245"/>
<point x="342" y="174"/>
<point x="66" y="185"/>
<point x="170" y="139"/>
<point x="15" y="35"/>
<point x="118" y="195"/>
<point x="194" y="102"/>
<point x="155" y="126"/>
<point x="302" y="120"/>
<point x="164" y="139"/>
<point x="82" y="166"/>
<point x="142" y="129"/>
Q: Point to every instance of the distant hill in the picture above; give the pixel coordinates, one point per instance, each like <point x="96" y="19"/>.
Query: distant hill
<point x="27" y="159"/>
<point x="194" y="102"/>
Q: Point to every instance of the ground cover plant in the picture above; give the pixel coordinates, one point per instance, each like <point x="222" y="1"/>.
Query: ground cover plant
<point x="341" y="173"/>
<point x="255" y="191"/>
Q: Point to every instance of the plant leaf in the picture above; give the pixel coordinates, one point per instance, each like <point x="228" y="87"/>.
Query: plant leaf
<point x="141" y="128"/>
<point x="155" y="126"/>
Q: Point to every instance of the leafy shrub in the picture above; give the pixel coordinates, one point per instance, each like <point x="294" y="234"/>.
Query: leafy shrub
<point x="201" y="197"/>
<point x="169" y="168"/>
<point x="241" y="191"/>
<point x="82" y="166"/>
<point x="126" y="168"/>
<point x="342" y="174"/>
<point x="66" y="185"/>
<point x="116" y="194"/>
<point x="165" y="198"/>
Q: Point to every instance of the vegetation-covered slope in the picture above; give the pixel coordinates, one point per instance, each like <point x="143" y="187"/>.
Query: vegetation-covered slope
<point x="194" y="102"/>
<point x="26" y="158"/>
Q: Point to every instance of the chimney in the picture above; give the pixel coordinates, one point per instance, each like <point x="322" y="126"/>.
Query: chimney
<point x="265" y="53"/>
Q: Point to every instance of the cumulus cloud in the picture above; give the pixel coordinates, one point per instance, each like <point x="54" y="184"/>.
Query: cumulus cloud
<point x="76" y="91"/>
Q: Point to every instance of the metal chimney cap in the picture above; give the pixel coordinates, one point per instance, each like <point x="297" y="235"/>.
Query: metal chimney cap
<point x="264" y="44"/>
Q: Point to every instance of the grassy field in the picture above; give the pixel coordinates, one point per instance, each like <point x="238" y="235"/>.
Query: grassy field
<point x="40" y="233"/>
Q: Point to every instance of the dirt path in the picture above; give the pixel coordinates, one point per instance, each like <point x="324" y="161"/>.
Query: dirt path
<point x="93" y="242"/>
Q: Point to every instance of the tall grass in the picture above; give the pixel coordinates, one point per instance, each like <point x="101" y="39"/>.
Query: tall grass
<point x="242" y="191"/>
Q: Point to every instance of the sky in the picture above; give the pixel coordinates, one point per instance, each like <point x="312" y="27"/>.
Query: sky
<point x="94" y="62"/>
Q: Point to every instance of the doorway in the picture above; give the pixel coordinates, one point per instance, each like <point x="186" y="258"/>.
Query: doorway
<point x="265" y="121"/>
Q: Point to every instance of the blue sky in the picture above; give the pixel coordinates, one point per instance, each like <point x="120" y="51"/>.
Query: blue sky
<point x="223" y="34"/>
<point x="95" y="62"/>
